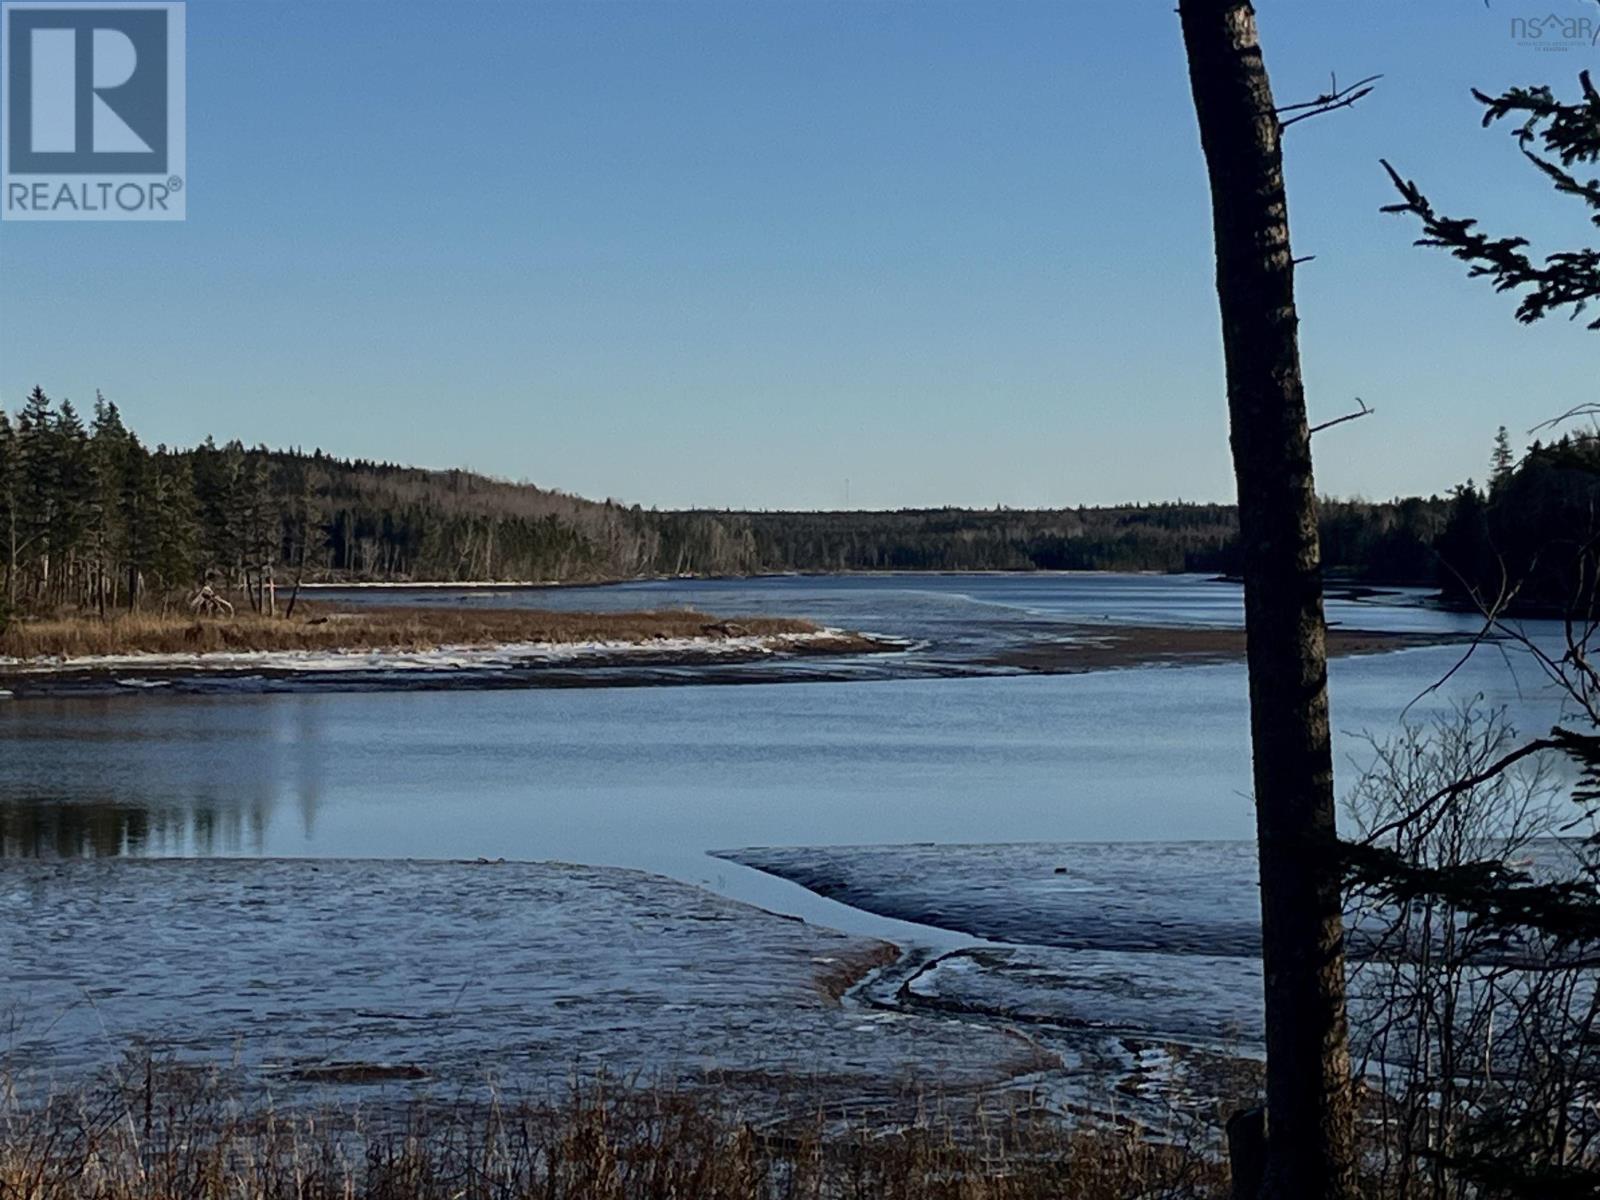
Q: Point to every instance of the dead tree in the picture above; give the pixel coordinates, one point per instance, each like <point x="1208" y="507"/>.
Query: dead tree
<point x="1310" y="1123"/>
<point x="207" y="603"/>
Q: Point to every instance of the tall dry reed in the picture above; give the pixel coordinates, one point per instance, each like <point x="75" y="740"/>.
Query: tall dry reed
<point x="182" y="1136"/>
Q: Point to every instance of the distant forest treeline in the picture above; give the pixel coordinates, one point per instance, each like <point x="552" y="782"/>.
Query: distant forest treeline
<point x="91" y="517"/>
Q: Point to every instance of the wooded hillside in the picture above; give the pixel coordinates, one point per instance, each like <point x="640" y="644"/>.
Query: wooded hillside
<point x="91" y="517"/>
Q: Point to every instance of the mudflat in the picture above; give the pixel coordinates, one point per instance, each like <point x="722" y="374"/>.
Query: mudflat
<point x="1107" y="647"/>
<point x="297" y="977"/>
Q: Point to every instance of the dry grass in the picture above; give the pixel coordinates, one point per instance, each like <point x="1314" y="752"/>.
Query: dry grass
<point x="180" y="1137"/>
<point x="407" y="629"/>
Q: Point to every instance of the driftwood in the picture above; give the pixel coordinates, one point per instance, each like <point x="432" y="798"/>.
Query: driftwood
<point x="207" y="603"/>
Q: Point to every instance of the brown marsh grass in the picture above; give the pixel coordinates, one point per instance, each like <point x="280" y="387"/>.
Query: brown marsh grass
<point x="401" y="629"/>
<point x="177" y="1137"/>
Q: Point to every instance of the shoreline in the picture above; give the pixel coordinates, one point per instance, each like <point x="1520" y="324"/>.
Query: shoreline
<point x="249" y="638"/>
<point x="1331" y="583"/>
<point x="1122" y="647"/>
<point x="448" y="657"/>
<point x="455" y="649"/>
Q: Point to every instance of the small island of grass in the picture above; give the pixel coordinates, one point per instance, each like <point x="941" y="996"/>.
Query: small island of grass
<point x="401" y="630"/>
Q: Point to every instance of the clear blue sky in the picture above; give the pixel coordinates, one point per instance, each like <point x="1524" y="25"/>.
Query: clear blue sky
<point x="733" y="253"/>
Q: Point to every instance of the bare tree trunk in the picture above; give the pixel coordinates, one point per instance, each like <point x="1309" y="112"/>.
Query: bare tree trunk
<point x="1310" y="1122"/>
<point x="11" y="565"/>
<point x="295" y="594"/>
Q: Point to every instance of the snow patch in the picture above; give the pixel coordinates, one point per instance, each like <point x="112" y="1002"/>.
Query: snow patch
<point x="507" y="656"/>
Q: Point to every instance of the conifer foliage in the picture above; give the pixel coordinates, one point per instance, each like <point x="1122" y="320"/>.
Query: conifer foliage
<point x="92" y="519"/>
<point x="1559" y="138"/>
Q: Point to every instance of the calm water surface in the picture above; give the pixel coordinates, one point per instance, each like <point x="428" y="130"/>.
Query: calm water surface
<point x="655" y="777"/>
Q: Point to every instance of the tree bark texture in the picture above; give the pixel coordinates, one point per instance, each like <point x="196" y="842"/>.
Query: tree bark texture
<point x="1310" y="1122"/>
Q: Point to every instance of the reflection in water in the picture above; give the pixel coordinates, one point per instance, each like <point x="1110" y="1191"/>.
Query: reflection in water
<point x="654" y="777"/>
<point x="100" y="827"/>
<point x="145" y="776"/>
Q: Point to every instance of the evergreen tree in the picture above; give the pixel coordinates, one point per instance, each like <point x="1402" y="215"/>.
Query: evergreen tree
<point x="1466" y="558"/>
<point x="109" y="445"/>
<point x="1501" y="459"/>
<point x="139" y="503"/>
<point x="214" y="471"/>
<point x="38" y="491"/>
<point x="255" y="523"/>
<point x="74" y="503"/>
<point x="176" y="523"/>
<point x="1557" y="137"/>
<point x="8" y="515"/>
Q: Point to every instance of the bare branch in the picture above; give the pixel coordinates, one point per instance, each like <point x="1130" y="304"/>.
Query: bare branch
<point x="1335" y="97"/>
<point x="1581" y="410"/>
<point x="1363" y="411"/>
<point x="1466" y="784"/>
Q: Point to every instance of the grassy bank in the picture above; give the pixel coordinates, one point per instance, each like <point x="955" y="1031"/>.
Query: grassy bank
<point x="174" y="1136"/>
<point x="401" y="629"/>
